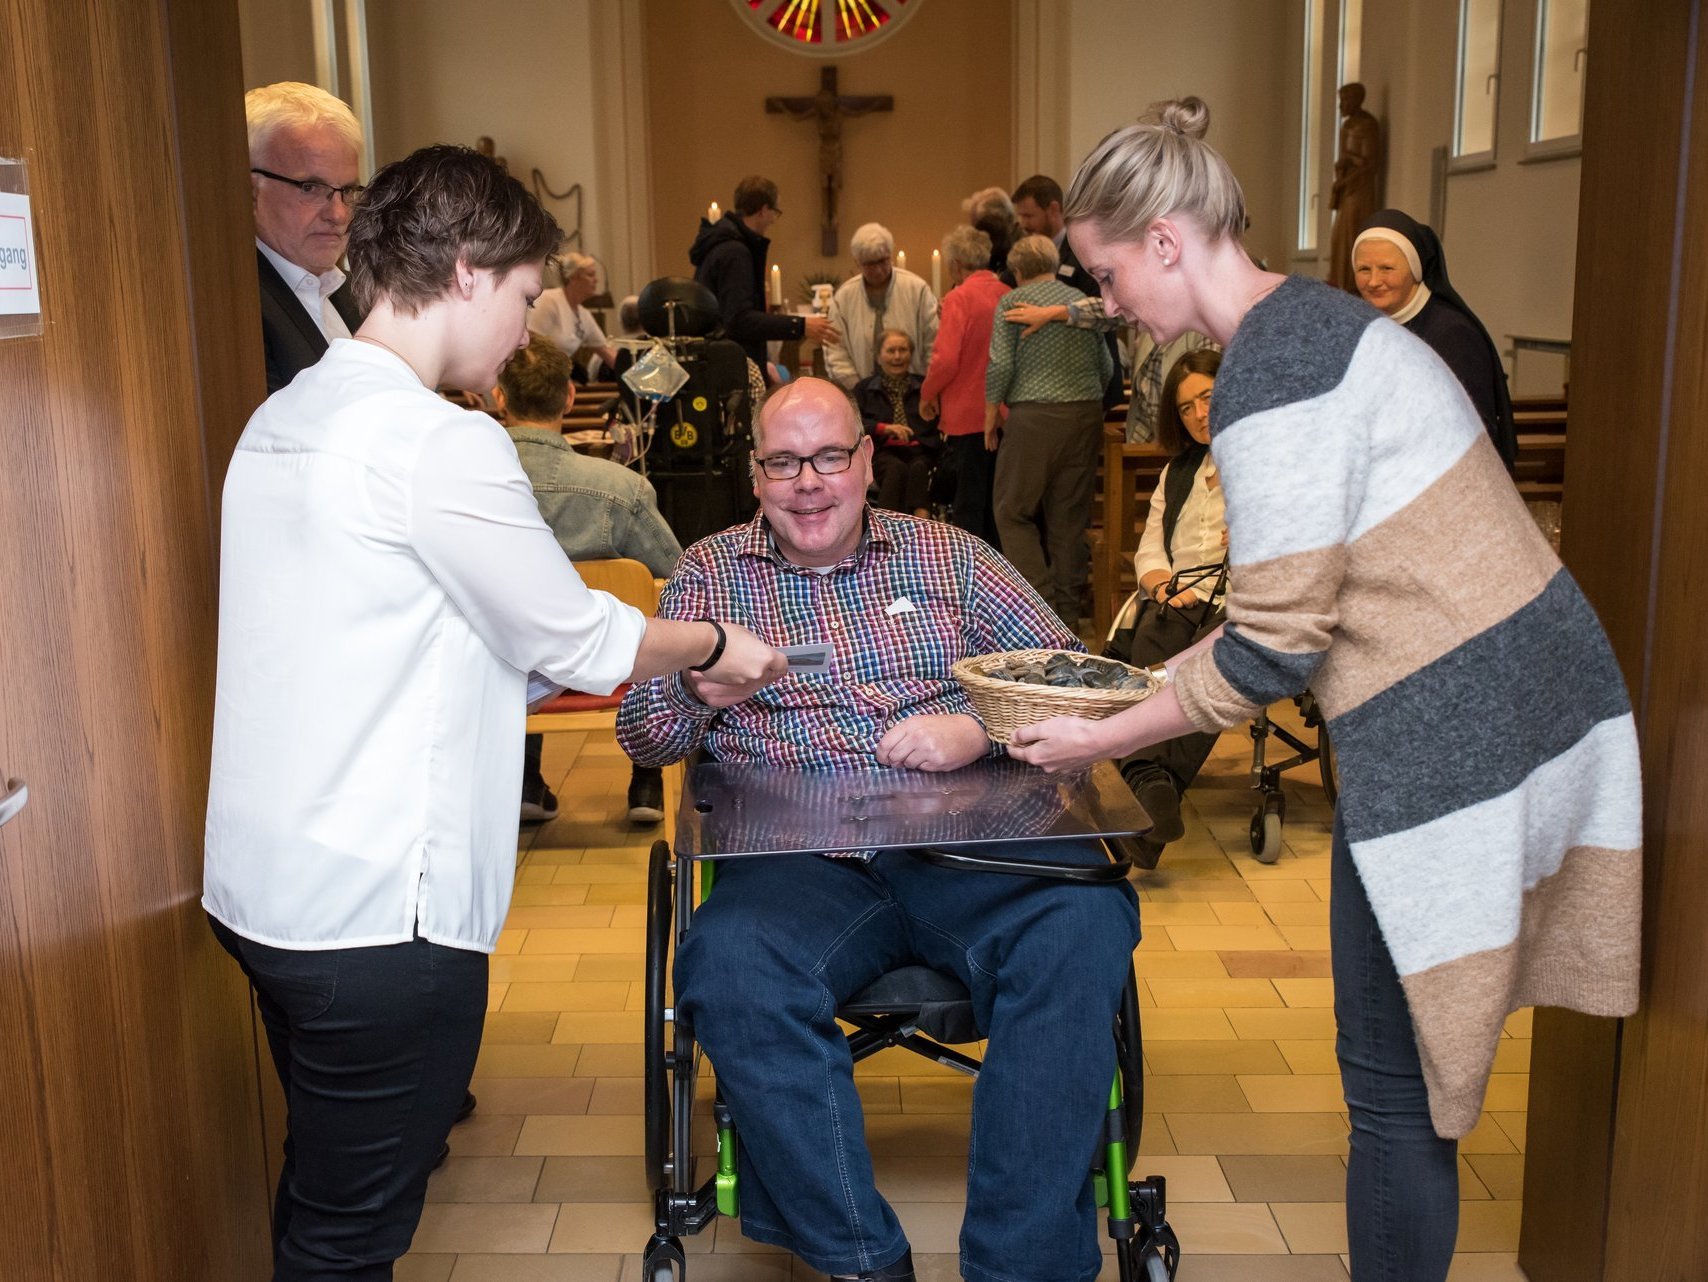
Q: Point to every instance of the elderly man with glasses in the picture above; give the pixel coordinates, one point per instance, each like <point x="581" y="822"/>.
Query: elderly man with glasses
<point x="784" y="939"/>
<point x="304" y="145"/>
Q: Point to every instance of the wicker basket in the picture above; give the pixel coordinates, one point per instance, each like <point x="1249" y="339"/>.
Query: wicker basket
<point x="1005" y="706"/>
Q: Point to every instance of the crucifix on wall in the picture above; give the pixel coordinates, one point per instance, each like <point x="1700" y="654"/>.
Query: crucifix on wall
<point x="829" y="108"/>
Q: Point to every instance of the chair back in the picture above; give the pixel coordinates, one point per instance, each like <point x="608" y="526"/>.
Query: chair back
<point x="624" y="578"/>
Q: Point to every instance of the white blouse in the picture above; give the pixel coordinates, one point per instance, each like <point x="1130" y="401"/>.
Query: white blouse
<point x="386" y="582"/>
<point x="1198" y="531"/>
<point x="569" y="325"/>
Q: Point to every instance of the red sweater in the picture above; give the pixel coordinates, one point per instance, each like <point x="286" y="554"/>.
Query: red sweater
<point x="955" y="377"/>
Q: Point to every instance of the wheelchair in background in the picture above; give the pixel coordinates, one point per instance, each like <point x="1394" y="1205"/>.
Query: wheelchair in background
<point x="916" y="1008"/>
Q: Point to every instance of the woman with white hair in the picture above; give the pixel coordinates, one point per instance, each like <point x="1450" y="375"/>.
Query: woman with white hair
<point x="1486" y="853"/>
<point x="560" y="316"/>
<point x="883" y="296"/>
<point x="992" y="212"/>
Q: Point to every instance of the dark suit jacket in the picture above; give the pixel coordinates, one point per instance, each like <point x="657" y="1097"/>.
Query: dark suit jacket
<point x="292" y="340"/>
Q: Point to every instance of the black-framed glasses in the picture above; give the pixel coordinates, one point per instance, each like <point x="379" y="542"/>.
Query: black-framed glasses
<point x="827" y="462"/>
<point x="313" y="191"/>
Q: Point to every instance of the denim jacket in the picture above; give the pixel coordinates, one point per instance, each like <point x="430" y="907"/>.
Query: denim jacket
<point x="596" y="508"/>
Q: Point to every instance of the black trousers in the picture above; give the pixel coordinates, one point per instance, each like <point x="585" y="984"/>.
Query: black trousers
<point x="1160" y="633"/>
<point x="975" y="473"/>
<point x="374" y="1048"/>
<point x="903" y="477"/>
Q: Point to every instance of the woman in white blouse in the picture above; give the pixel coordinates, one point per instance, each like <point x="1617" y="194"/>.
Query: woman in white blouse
<point x="386" y="587"/>
<point x="560" y="314"/>
<point x="1180" y="584"/>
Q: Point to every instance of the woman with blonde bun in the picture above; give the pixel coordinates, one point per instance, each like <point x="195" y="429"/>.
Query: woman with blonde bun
<point x="1486" y="851"/>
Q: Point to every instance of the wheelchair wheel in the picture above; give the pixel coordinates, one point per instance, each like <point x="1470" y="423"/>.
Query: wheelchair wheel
<point x="1155" y="1269"/>
<point x="660" y="917"/>
<point x="1266" y="830"/>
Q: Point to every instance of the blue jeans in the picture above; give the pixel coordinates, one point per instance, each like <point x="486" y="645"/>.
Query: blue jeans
<point x="783" y="940"/>
<point x="1402" y="1180"/>
<point x="374" y="1048"/>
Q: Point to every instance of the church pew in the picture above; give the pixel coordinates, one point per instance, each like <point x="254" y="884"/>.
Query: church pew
<point x="1127" y="479"/>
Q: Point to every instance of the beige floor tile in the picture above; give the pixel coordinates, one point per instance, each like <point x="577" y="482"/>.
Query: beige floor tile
<point x="1190" y="1179"/>
<point x="604" y="940"/>
<point x="1271" y="1268"/>
<point x="1154" y="1137"/>
<point x="615" y="893"/>
<point x="510" y="941"/>
<point x="1488" y="1226"/>
<point x="533" y="1094"/>
<point x="1306" y="992"/>
<point x="1287" y="1024"/>
<point x="1312" y="1228"/>
<point x="1202" y="892"/>
<point x="1472" y="1189"/>
<point x="1276" y="965"/>
<point x="922" y="1134"/>
<point x="485" y="1179"/>
<point x="1518" y="1023"/>
<point x="911" y="1178"/>
<point x="1156" y="913"/>
<point x="1487" y="1136"/>
<point x="733" y="1268"/>
<point x="1194" y="1093"/>
<point x="593" y="1179"/>
<point x="1298" y="914"/>
<point x="1205" y="993"/>
<point x="1181" y="965"/>
<point x="540" y="1268"/>
<point x="1514" y="1126"/>
<point x="535" y="970"/>
<point x="1492" y="1266"/>
<point x="1187" y="1026"/>
<point x="607" y="1027"/>
<point x="551" y="1135"/>
<point x="523" y="1229"/>
<point x="1293" y="1093"/>
<point x="424" y="1268"/>
<point x="567" y="995"/>
<point x="1502" y="1174"/>
<point x="1249" y="913"/>
<point x="1314" y="1056"/>
<point x="1272" y="1133"/>
<point x="617" y="1097"/>
<point x="937" y="1094"/>
<point x="485" y="1135"/>
<point x="533" y="877"/>
<point x="1227" y="1228"/>
<point x="1217" y="1057"/>
<point x="1512" y="1055"/>
<point x="558" y="916"/>
<point x="610" y="1061"/>
<point x="1306" y="938"/>
<point x="1285" y="1178"/>
<point x="1284" y="892"/>
<point x="1508" y="1093"/>
<point x="526" y="1061"/>
<point x="511" y="1028"/>
<point x="894" y="1061"/>
<point x="602" y="1227"/>
<point x="612" y="966"/>
<point x="1233" y="938"/>
<point x="547" y="896"/>
<point x="495" y="995"/>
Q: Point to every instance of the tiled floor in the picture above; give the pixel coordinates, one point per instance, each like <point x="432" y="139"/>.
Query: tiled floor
<point x="544" y="1183"/>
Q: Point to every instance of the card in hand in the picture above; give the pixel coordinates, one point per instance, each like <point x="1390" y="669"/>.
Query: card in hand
<point x="815" y="657"/>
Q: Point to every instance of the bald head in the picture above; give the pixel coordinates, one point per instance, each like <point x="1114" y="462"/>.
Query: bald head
<point x="808" y="403"/>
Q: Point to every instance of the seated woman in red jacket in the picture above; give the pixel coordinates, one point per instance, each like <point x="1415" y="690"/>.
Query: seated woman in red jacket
<point x="904" y="445"/>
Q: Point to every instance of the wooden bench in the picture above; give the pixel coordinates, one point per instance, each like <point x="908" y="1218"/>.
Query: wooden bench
<point x="1127" y="480"/>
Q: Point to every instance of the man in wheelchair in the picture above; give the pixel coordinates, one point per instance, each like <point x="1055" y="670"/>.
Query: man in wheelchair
<point x="785" y="939"/>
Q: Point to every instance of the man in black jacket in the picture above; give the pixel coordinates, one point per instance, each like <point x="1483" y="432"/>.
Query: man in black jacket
<point x="304" y="146"/>
<point x="729" y="259"/>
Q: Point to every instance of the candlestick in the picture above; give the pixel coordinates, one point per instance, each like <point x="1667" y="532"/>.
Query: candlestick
<point x="901" y="259"/>
<point x="712" y="213"/>
<point x="937" y="272"/>
<point x="776" y="285"/>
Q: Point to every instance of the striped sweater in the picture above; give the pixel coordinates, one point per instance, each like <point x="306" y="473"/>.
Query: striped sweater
<point x="1490" y="791"/>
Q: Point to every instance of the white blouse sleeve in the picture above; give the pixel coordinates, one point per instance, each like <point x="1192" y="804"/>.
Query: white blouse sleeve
<point x="1150" y="555"/>
<point x="474" y="522"/>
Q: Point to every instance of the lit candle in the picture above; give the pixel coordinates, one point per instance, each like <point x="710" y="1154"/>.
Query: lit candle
<point x="712" y="213"/>
<point x="776" y="285"/>
<point x="901" y="259"/>
<point x="937" y="271"/>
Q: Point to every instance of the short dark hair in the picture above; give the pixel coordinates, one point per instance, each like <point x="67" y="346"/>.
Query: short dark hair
<point x="1040" y="190"/>
<point x="1171" y="433"/>
<point x="422" y="213"/>
<point x="535" y="382"/>
<point x="752" y="194"/>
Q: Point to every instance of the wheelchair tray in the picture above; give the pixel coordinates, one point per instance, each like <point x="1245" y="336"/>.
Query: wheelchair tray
<point x="733" y="810"/>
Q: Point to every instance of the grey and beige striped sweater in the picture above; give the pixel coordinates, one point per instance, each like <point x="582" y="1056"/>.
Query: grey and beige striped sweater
<point x="1490" y="791"/>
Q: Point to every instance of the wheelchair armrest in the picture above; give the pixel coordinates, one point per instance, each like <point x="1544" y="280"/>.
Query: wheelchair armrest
<point x="1120" y="863"/>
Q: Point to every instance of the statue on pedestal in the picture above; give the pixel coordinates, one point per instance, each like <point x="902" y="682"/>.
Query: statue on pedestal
<point x="1357" y="174"/>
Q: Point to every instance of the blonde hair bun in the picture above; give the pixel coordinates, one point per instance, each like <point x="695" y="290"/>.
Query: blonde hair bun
<point x="1189" y="116"/>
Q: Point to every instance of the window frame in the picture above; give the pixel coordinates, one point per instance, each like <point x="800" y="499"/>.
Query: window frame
<point x="1466" y="162"/>
<point x="1563" y="145"/>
